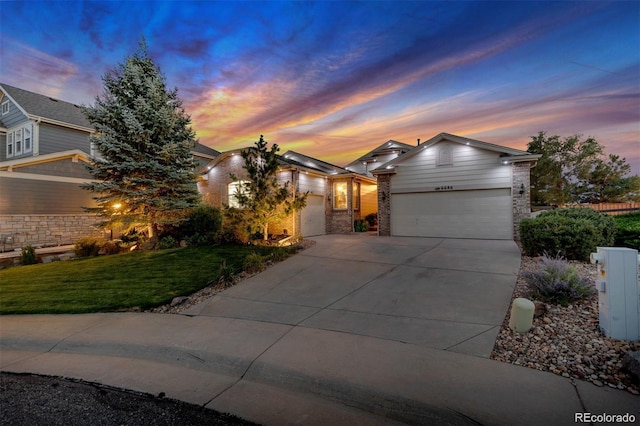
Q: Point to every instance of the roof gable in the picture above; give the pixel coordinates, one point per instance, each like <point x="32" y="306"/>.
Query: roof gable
<point x="389" y="147"/>
<point x="508" y="154"/>
<point x="36" y="105"/>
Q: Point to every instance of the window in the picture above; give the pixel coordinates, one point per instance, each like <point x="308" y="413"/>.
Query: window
<point x="356" y="196"/>
<point x="5" y="107"/>
<point x="27" y="138"/>
<point x="340" y="195"/>
<point x="20" y="140"/>
<point x="234" y="188"/>
<point x="10" y="145"/>
<point x="445" y="156"/>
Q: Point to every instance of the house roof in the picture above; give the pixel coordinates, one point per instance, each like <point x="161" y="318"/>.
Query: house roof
<point x="54" y="110"/>
<point x="389" y="147"/>
<point x="508" y="155"/>
<point x="297" y="159"/>
<point x="205" y="150"/>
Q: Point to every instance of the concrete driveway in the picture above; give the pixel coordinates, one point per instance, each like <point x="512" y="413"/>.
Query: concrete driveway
<point x="356" y="330"/>
<point x="444" y="294"/>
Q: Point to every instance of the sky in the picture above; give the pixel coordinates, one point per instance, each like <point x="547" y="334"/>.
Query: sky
<point x="335" y="79"/>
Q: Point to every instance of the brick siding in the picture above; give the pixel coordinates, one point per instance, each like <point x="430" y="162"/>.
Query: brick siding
<point x="521" y="181"/>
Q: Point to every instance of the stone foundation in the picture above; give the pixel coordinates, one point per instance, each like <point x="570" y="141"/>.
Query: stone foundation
<point x="18" y="231"/>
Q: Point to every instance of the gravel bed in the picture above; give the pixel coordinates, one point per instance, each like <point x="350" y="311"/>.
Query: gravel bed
<point x="566" y="340"/>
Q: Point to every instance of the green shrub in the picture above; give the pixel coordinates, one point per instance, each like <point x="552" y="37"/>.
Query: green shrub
<point x="226" y="275"/>
<point x="572" y="233"/>
<point x="279" y="254"/>
<point x="87" y="247"/>
<point x="28" y="256"/>
<point x="371" y="219"/>
<point x="110" y="247"/>
<point x="167" y="242"/>
<point x="253" y="263"/>
<point x="628" y="234"/>
<point x="203" y="226"/>
<point x="557" y="282"/>
<point x="360" y="226"/>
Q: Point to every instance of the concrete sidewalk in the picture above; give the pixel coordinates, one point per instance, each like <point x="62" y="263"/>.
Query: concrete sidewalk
<point x="355" y="330"/>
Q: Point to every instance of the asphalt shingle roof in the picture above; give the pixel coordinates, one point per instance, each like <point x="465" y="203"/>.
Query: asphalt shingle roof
<point x="46" y="107"/>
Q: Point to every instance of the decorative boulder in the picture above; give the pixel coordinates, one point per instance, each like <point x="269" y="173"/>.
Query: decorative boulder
<point x="631" y="363"/>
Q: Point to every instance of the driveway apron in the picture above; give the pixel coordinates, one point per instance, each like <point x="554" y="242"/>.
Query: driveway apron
<point x="444" y="294"/>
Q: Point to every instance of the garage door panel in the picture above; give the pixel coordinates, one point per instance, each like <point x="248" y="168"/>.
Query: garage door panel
<point x="312" y="217"/>
<point x="460" y="214"/>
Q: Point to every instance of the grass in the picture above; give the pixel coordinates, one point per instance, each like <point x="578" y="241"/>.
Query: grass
<point x="122" y="282"/>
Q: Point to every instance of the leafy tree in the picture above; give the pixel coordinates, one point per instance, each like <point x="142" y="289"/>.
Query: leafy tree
<point x="262" y="198"/>
<point x="145" y="171"/>
<point x="573" y="169"/>
<point x="606" y="182"/>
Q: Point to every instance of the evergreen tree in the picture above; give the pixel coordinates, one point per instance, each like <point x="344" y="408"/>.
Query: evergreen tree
<point x="145" y="172"/>
<point x="262" y="198"/>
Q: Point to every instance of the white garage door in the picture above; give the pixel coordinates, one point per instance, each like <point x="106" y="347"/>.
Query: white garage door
<point x="312" y="217"/>
<point x="485" y="214"/>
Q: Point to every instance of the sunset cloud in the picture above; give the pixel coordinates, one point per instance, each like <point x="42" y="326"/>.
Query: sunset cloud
<point x="335" y="79"/>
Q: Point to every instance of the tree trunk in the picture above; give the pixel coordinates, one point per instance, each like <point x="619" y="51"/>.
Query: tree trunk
<point x="265" y="234"/>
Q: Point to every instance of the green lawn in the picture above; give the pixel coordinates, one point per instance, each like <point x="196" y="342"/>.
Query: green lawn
<point x="123" y="282"/>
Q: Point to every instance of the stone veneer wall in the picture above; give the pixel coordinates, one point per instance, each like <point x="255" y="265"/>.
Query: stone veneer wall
<point x="384" y="205"/>
<point x="46" y="230"/>
<point x="521" y="202"/>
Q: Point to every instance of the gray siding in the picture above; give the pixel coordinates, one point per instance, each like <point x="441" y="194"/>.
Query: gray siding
<point x="3" y="147"/>
<point x="471" y="168"/>
<point x="13" y="117"/>
<point x="56" y="139"/>
<point x="27" y="196"/>
<point x="10" y="120"/>
<point x="65" y="168"/>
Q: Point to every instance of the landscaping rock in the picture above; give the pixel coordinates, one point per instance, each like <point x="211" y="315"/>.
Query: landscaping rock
<point x="567" y="340"/>
<point x="179" y="300"/>
<point x="631" y="363"/>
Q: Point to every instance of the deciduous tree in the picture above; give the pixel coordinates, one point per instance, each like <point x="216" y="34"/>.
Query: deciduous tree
<point x="263" y="199"/>
<point x="573" y="169"/>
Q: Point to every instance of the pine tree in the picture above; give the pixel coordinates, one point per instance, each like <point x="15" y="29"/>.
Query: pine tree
<point x="262" y="198"/>
<point x="145" y="172"/>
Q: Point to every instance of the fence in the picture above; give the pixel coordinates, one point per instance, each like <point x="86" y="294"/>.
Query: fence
<point x="613" y="209"/>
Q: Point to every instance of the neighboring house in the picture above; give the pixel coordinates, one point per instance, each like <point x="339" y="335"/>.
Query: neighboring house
<point x="44" y="150"/>
<point x="336" y="197"/>
<point x="44" y="147"/>
<point x="455" y="187"/>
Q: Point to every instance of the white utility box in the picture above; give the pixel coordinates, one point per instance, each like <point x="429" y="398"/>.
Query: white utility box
<point x="618" y="292"/>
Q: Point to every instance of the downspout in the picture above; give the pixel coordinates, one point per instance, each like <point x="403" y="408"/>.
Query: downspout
<point x="36" y="137"/>
<point x="294" y="185"/>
